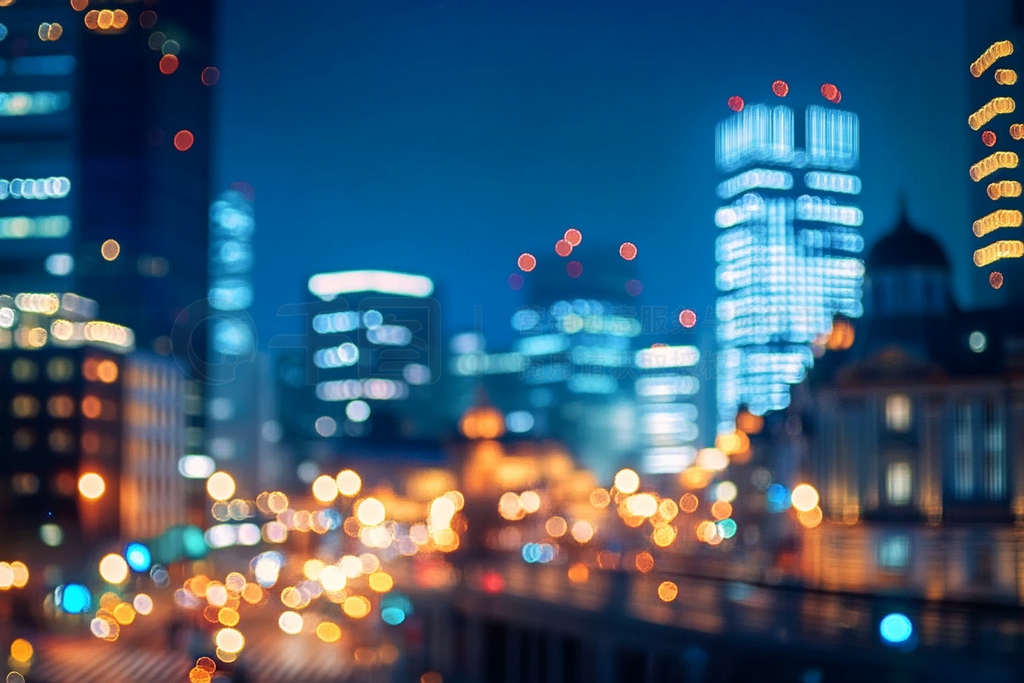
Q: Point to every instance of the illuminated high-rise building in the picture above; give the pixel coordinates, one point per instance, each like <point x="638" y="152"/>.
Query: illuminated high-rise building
<point x="788" y="244"/>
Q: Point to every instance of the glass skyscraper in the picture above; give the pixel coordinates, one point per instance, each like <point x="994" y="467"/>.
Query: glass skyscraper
<point x="787" y="249"/>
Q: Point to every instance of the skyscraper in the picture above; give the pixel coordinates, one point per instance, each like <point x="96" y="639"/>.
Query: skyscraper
<point x="92" y="103"/>
<point x="787" y="251"/>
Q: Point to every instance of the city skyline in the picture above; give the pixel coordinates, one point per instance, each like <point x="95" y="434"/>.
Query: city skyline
<point x="618" y="157"/>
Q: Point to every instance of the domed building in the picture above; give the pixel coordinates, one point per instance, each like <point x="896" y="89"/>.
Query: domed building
<point x="909" y="436"/>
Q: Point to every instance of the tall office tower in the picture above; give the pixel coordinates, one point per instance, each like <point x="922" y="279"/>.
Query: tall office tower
<point x="373" y="354"/>
<point x="788" y="246"/>
<point x="577" y="340"/>
<point x="667" y="407"/>
<point x="233" y="395"/>
<point x="104" y="135"/>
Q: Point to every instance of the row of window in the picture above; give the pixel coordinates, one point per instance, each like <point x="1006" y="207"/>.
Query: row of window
<point x="978" y="450"/>
<point x="62" y="441"/>
<point x="62" y="406"/>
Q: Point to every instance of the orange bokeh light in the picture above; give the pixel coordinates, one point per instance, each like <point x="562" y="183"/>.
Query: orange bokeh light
<point x="183" y="140"/>
<point x="829" y="92"/>
<point x="79" y="5"/>
<point x="736" y="103"/>
<point x="573" y="237"/>
<point x="563" y="248"/>
<point x="989" y="138"/>
<point x="687" y="318"/>
<point x="780" y="88"/>
<point x="995" y="279"/>
<point x="627" y="251"/>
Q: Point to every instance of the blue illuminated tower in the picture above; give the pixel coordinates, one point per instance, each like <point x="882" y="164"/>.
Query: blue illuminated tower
<point x="787" y="248"/>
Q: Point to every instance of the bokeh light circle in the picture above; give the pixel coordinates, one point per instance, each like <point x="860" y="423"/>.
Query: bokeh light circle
<point x="183" y="140"/>
<point x="114" y="569"/>
<point x="687" y="318"/>
<point x="896" y="628"/>
<point x="563" y="248"/>
<point x="989" y="138"/>
<point x="736" y="103"/>
<point x="829" y="92"/>
<point x="526" y="262"/>
<point x="804" y="498"/>
<point x="574" y="269"/>
<point x="627" y="251"/>
<point x="168" y="64"/>
<point x="627" y="481"/>
<point x="515" y="281"/>
<point x="634" y="287"/>
<point x="995" y="279"/>
<point x="780" y="88"/>
<point x="91" y="485"/>
<point x="210" y="75"/>
<point x="573" y="237"/>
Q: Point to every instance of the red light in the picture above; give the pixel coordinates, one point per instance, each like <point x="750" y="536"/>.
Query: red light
<point x="210" y="75"/>
<point x="563" y="248"/>
<point x="736" y="103"/>
<point x="780" y="88"/>
<point x="183" y="140"/>
<point x="995" y="279"/>
<point x="627" y="251"/>
<point x="687" y="318"/>
<point x="829" y="92"/>
<point x="988" y="137"/>
<point x="493" y="583"/>
<point x="168" y="64"/>
<point x="574" y="269"/>
<point x="526" y="262"/>
<point x="573" y="237"/>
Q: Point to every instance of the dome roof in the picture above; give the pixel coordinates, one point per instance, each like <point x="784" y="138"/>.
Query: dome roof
<point x="907" y="247"/>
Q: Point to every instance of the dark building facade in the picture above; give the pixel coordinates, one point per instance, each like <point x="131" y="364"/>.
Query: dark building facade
<point x="88" y="153"/>
<point x="912" y="437"/>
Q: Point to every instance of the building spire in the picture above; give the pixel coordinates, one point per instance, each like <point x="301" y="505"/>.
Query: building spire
<point x="903" y="223"/>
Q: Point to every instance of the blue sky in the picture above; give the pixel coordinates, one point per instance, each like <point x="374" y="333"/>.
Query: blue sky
<point x="447" y="138"/>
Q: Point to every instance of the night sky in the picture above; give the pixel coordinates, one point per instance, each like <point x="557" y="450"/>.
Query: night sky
<point x="447" y="138"/>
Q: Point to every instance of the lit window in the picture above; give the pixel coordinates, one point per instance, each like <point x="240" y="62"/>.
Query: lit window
<point x="893" y="553"/>
<point x="898" y="413"/>
<point x="898" y="483"/>
<point x="963" y="452"/>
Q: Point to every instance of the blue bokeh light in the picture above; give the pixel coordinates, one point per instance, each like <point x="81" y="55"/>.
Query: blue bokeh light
<point x="138" y="557"/>
<point x="392" y="615"/>
<point x="73" y="598"/>
<point x="778" y="498"/>
<point x="896" y="628"/>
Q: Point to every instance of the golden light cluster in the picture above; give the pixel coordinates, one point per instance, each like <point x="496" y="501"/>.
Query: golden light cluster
<point x="995" y="106"/>
<point x="1004" y="188"/>
<point x="1005" y="76"/>
<point x="1002" y="218"/>
<point x="999" y="250"/>
<point x="482" y="423"/>
<point x="1003" y="48"/>
<point x="106" y="20"/>
<point x="992" y="163"/>
<point x="13" y="575"/>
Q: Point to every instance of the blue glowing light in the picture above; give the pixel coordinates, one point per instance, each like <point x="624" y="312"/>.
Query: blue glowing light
<point x="778" y="498"/>
<point x="541" y="553"/>
<point x="896" y="628"/>
<point x="727" y="528"/>
<point x="392" y="616"/>
<point x="138" y="557"/>
<point x="73" y="598"/>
